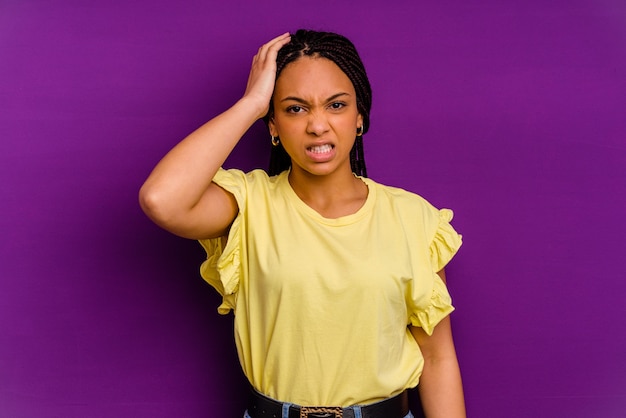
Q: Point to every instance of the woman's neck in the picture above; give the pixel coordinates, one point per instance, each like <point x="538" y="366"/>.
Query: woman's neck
<point x="332" y="196"/>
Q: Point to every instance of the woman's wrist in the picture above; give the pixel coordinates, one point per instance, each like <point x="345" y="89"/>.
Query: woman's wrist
<point x="257" y="107"/>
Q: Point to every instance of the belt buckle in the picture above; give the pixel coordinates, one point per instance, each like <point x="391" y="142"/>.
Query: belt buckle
<point x="321" y="412"/>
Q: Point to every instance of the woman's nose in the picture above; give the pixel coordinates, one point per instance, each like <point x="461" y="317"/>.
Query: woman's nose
<point x="317" y="124"/>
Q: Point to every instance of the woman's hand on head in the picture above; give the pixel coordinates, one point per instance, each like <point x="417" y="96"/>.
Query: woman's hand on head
<point x="262" y="76"/>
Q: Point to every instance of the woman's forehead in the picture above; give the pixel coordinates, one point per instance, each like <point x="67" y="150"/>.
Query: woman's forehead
<point x="312" y="75"/>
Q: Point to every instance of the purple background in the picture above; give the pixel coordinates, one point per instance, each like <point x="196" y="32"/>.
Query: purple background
<point x="511" y="113"/>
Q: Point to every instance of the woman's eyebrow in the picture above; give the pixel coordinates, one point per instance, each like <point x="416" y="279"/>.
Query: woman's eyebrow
<point x="300" y="100"/>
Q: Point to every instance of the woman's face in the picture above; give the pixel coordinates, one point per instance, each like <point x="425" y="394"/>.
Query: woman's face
<point x="315" y="115"/>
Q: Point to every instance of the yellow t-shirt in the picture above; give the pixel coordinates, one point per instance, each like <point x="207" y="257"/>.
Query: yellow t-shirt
<point x="322" y="305"/>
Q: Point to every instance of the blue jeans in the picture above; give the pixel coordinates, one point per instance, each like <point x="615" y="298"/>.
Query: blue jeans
<point x="409" y="415"/>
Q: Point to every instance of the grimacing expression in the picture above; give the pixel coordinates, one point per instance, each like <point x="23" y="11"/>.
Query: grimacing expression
<point x="315" y="114"/>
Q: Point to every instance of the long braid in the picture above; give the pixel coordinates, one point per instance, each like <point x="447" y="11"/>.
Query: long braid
<point x="342" y="52"/>
<point x="358" y="167"/>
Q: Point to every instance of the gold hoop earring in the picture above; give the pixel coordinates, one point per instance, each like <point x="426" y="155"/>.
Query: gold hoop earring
<point x="275" y="141"/>
<point x="359" y="131"/>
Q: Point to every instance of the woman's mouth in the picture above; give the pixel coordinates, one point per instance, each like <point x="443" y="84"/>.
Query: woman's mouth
<point x="321" y="149"/>
<point x="321" y="153"/>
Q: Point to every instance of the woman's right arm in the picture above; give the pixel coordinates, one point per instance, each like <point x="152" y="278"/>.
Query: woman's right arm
<point x="179" y="194"/>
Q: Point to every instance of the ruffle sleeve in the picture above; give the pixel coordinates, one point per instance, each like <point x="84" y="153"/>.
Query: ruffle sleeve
<point x="446" y="241"/>
<point x="444" y="245"/>
<point x="440" y="306"/>
<point x="222" y="267"/>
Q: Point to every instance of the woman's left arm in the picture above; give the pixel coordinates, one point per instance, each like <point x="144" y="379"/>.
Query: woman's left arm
<point x="440" y="387"/>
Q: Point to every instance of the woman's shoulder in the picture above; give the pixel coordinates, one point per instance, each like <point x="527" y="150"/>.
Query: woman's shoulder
<point x="257" y="176"/>
<point x="412" y="209"/>
<point x="400" y="196"/>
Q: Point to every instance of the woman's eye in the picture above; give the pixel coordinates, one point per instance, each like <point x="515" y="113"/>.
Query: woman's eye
<point x="337" y="105"/>
<point x="294" y="109"/>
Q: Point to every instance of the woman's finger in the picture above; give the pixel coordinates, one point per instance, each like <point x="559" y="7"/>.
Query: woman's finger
<point x="262" y="75"/>
<point x="275" y="43"/>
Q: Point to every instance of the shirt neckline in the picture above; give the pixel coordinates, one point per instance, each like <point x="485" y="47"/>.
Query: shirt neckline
<point x="302" y="207"/>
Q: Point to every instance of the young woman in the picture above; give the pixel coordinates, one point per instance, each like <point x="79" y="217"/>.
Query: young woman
<point x="336" y="281"/>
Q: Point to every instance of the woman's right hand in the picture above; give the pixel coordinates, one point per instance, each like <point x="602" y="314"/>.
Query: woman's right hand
<point x="262" y="76"/>
<point x="179" y="194"/>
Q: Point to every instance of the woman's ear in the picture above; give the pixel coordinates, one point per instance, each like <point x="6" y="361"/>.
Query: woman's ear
<point x="272" y="126"/>
<point x="359" y="122"/>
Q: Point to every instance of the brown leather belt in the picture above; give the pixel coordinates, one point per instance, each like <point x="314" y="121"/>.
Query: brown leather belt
<point x="264" y="407"/>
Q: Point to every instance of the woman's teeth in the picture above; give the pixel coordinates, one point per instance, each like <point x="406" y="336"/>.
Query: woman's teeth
<point x="320" y="149"/>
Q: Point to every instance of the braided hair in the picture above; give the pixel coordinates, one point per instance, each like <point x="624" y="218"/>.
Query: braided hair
<point x="342" y="52"/>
